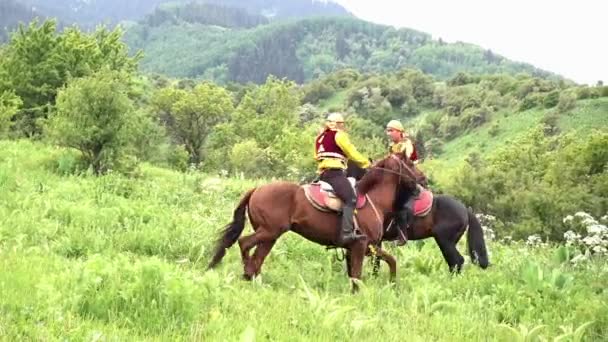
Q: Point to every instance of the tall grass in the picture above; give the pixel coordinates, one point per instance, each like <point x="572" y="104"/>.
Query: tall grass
<point x="85" y="258"/>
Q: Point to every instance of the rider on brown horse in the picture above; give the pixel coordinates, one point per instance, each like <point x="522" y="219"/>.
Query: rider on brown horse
<point x="333" y="149"/>
<point x="400" y="142"/>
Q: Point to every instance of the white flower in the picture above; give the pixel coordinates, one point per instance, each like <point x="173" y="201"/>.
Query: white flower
<point x="534" y="240"/>
<point x="488" y="233"/>
<point x="592" y="241"/>
<point x="571" y="237"/>
<point x="579" y="258"/>
<point x="600" y="250"/>
<point x="597" y="229"/>
<point x="507" y="239"/>
<point x="583" y="215"/>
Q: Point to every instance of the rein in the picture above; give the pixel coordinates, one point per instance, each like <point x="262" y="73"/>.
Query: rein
<point x="401" y="166"/>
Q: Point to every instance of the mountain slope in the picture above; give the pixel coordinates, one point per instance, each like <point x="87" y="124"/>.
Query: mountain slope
<point x="11" y="13"/>
<point x="89" y="13"/>
<point x="304" y="49"/>
<point x="286" y="9"/>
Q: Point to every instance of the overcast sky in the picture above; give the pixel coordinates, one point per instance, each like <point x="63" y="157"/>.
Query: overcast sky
<point x="563" y="36"/>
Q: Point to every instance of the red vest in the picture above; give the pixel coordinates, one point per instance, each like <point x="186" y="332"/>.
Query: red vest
<point x="327" y="147"/>
<point x="414" y="155"/>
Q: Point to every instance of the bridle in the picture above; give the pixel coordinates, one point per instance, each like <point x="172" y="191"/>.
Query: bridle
<point x="402" y="165"/>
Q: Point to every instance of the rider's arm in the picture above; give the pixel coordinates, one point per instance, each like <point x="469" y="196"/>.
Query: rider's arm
<point x="349" y="149"/>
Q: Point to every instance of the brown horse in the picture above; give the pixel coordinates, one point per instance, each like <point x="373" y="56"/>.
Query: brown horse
<point x="278" y="207"/>
<point x="445" y="220"/>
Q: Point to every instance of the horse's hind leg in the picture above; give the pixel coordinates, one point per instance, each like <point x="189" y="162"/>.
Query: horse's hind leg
<point x="391" y="261"/>
<point x="264" y="240"/>
<point x="450" y="254"/>
<point x="260" y="254"/>
<point x="246" y="243"/>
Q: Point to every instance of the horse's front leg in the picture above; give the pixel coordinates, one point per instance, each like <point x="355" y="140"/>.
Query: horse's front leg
<point x="357" y="254"/>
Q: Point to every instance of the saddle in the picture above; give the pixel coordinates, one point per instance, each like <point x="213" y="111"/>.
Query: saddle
<point x="423" y="203"/>
<point x="322" y="196"/>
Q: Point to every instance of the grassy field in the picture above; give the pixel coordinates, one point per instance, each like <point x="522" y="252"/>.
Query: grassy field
<point x="112" y="258"/>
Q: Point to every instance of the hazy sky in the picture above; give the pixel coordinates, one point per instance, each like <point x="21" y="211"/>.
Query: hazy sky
<point x="563" y="36"/>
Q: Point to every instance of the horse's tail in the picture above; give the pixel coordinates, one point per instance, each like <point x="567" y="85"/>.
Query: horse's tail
<point x="475" y="242"/>
<point x="232" y="231"/>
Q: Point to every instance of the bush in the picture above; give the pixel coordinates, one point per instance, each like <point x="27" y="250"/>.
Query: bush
<point x="494" y="130"/>
<point x="550" y="122"/>
<point x="567" y="102"/>
<point x="434" y="147"/>
<point x="9" y="106"/>
<point x="551" y="99"/>
<point x="531" y="101"/>
<point x="317" y="91"/>
<point x="247" y="157"/>
<point x="474" y="117"/>
<point x="531" y="184"/>
<point x="450" y="127"/>
<point x="95" y="116"/>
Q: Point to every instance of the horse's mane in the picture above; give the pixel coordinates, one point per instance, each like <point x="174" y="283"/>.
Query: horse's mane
<point x="371" y="178"/>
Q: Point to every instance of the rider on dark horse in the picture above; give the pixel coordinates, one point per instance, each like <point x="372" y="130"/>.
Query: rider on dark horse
<point x="401" y="142"/>
<point x="333" y="149"/>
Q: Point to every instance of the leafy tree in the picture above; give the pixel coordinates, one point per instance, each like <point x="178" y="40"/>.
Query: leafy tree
<point x="9" y="106"/>
<point x="95" y="116"/>
<point x="38" y="61"/>
<point x="191" y="115"/>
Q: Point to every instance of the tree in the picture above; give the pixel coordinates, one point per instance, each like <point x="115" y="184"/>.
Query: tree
<point x="9" y="106"/>
<point x="267" y="109"/>
<point x="38" y="61"/>
<point x="95" y="116"/>
<point x="190" y="115"/>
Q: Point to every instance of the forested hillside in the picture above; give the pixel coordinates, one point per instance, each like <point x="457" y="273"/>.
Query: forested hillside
<point x="11" y="13"/>
<point x="114" y="184"/>
<point x="300" y="50"/>
<point x="89" y="13"/>
<point x="100" y="105"/>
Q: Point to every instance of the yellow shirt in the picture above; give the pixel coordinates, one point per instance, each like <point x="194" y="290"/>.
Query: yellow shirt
<point x="403" y="146"/>
<point x="343" y="141"/>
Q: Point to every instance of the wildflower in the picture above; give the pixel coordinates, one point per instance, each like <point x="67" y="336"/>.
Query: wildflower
<point x="534" y="240"/>
<point x="579" y="258"/>
<point x="597" y="229"/>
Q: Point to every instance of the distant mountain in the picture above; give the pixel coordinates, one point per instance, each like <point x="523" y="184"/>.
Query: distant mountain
<point x="13" y="12"/>
<point x="213" y="47"/>
<point x="89" y="13"/>
<point x="287" y="8"/>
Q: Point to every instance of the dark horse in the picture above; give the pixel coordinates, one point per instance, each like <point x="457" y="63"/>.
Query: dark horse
<point x="446" y="222"/>
<point x="278" y="207"/>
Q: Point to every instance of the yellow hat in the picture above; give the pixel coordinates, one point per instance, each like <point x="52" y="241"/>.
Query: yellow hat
<point x="335" y="117"/>
<point x="395" y="124"/>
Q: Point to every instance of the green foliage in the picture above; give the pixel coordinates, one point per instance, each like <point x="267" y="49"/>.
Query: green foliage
<point x="535" y="180"/>
<point x="203" y="13"/>
<point x="247" y="157"/>
<point x="190" y="115"/>
<point x="551" y="99"/>
<point x="9" y="106"/>
<point x="38" y="61"/>
<point x="302" y="50"/>
<point x="268" y="116"/>
<point x="117" y="258"/>
<point x="95" y="116"/>
<point x="567" y="102"/>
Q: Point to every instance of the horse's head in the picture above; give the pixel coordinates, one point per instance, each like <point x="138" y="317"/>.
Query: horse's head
<point x="395" y="168"/>
<point x="411" y="169"/>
